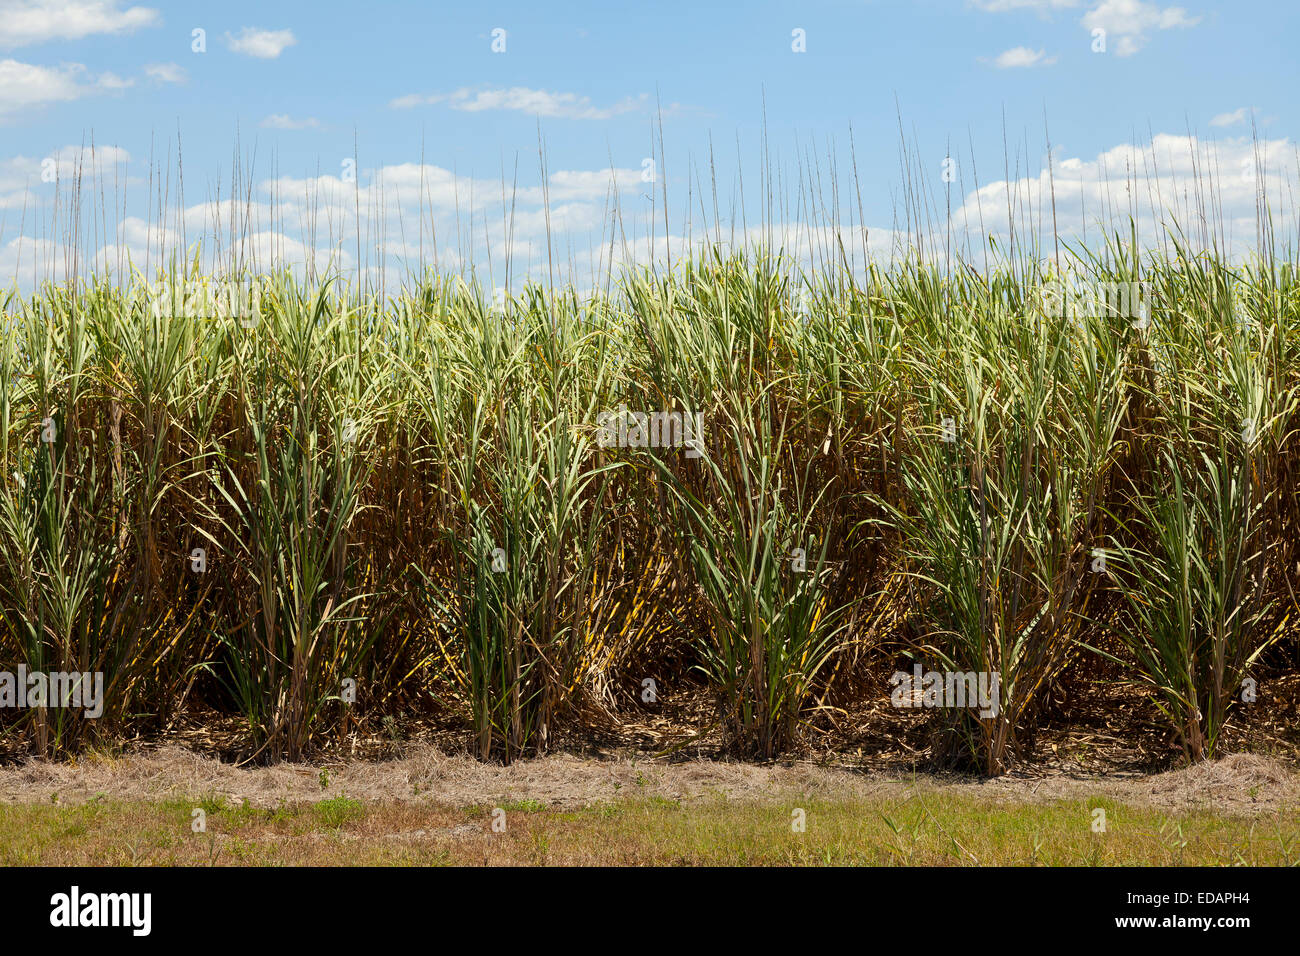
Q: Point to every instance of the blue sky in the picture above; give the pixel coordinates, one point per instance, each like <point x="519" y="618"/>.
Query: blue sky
<point x="303" y="85"/>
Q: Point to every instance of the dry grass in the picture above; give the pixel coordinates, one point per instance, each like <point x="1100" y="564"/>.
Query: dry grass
<point x="1236" y="785"/>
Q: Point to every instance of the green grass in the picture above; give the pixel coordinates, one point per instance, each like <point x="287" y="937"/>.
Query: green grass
<point x="336" y="811"/>
<point x="930" y="829"/>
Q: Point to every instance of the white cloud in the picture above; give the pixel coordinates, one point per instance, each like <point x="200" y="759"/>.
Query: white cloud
<point x="406" y="187"/>
<point x="285" y="121"/>
<point x="393" y="199"/>
<point x="263" y="44"/>
<point x="166" y="73"/>
<point x="1127" y="22"/>
<point x="87" y="162"/>
<point x="16" y="172"/>
<point x="524" y="100"/>
<point x="112" y="83"/>
<point x="298" y="221"/>
<point x="91" y="156"/>
<point x="22" y="185"/>
<point x="1022" y="56"/>
<point x="1157" y="183"/>
<point x="593" y="184"/>
<point x="17" y="177"/>
<point x="1233" y="118"/>
<point x="140" y="241"/>
<point x="25" y="256"/>
<point x="24" y="22"/>
<point x="1131" y="20"/>
<point x="24" y="85"/>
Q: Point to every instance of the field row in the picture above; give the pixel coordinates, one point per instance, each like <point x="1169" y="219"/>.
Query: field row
<point x="777" y="480"/>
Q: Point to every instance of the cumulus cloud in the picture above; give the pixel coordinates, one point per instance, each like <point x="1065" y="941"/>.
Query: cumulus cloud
<point x="89" y="158"/>
<point x="1130" y="22"/>
<point x="1234" y="118"/>
<point x="26" y="22"/>
<point x="144" y="245"/>
<point x="521" y="99"/>
<point x="27" y="188"/>
<point x="285" y="121"/>
<point x="587" y="184"/>
<point x="166" y="73"/>
<point x="312" y="224"/>
<point x="1157" y="183"/>
<point x="1127" y="23"/>
<point x="1022" y="56"/>
<point x="382" y="218"/>
<point x="24" y="85"/>
<point x="16" y="178"/>
<point x="29" y="259"/>
<point x="404" y="188"/>
<point x="263" y="44"/>
<point x="21" y="174"/>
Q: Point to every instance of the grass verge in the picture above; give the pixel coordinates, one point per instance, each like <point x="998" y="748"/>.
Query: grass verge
<point x="915" y="829"/>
